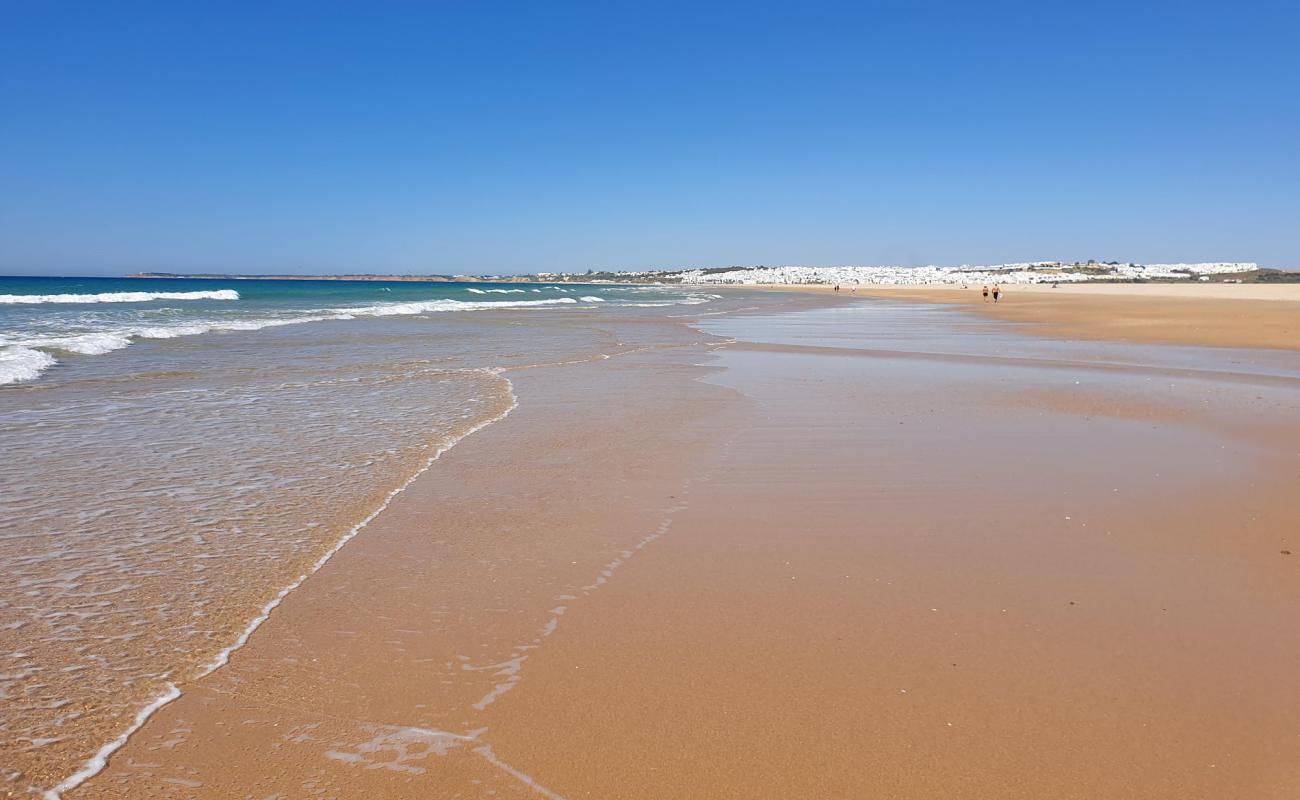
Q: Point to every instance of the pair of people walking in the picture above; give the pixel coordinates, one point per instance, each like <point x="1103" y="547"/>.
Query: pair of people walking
<point x="997" y="292"/>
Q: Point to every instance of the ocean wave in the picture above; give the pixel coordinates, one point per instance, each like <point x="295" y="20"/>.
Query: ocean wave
<point x="496" y="291"/>
<point x="421" y="307"/>
<point x="86" y="344"/>
<point x="117" y="297"/>
<point x="23" y="364"/>
<point x="25" y="359"/>
<point x="690" y="300"/>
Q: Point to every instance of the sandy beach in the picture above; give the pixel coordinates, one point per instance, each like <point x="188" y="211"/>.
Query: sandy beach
<point x="572" y="401"/>
<point x="1213" y="314"/>
<point x="852" y="548"/>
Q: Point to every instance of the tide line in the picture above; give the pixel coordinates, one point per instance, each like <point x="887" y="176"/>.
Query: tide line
<point x="100" y="760"/>
<point x="522" y="777"/>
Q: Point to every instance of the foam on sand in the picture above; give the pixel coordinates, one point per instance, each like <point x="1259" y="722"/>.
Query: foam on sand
<point x="100" y="760"/>
<point x="118" y="297"/>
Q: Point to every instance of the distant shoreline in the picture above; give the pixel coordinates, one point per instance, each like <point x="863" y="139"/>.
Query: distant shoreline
<point x="1205" y="314"/>
<point x="225" y="277"/>
<point x="392" y="278"/>
<point x="810" y="277"/>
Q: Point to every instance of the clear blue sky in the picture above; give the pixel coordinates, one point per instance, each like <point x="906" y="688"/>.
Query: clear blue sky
<point x="491" y="137"/>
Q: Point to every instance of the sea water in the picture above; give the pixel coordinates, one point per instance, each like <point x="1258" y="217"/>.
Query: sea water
<point x="177" y="454"/>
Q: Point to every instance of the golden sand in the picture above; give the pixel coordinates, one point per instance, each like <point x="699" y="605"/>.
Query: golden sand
<point x="1214" y="314"/>
<point x="792" y="572"/>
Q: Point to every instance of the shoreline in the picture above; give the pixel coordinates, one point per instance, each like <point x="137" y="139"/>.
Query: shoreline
<point x="100" y="759"/>
<point x="795" y="584"/>
<point x="280" y="495"/>
<point x="500" y="674"/>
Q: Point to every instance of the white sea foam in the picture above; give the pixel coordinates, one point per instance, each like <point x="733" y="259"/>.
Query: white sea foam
<point x="426" y="306"/>
<point x="88" y="344"/>
<point x="118" y="297"/>
<point x="100" y="759"/>
<point x="684" y="300"/>
<point x="23" y="364"/>
<point x="522" y="777"/>
<point x="23" y="359"/>
<point x="97" y="763"/>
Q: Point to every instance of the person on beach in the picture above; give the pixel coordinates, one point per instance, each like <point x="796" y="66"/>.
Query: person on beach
<point x="986" y="294"/>
<point x="997" y="292"/>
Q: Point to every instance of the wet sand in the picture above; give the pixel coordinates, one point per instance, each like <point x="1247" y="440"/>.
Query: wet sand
<point x="799" y="566"/>
<point x="1215" y="314"/>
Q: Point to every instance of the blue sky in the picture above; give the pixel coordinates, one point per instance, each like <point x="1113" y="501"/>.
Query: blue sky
<point x="483" y="137"/>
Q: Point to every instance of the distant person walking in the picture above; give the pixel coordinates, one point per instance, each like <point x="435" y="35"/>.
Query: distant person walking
<point x="997" y="292"/>
<point x="986" y="294"/>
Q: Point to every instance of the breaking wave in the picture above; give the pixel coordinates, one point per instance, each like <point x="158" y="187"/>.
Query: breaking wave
<point x="117" y="297"/>
<point x="22" y="364"/>
<point x="26" y="358"/>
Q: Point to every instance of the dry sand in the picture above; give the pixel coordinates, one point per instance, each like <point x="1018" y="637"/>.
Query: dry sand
<point x="1213" y="314"/>
<point x="793" y="572"/>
